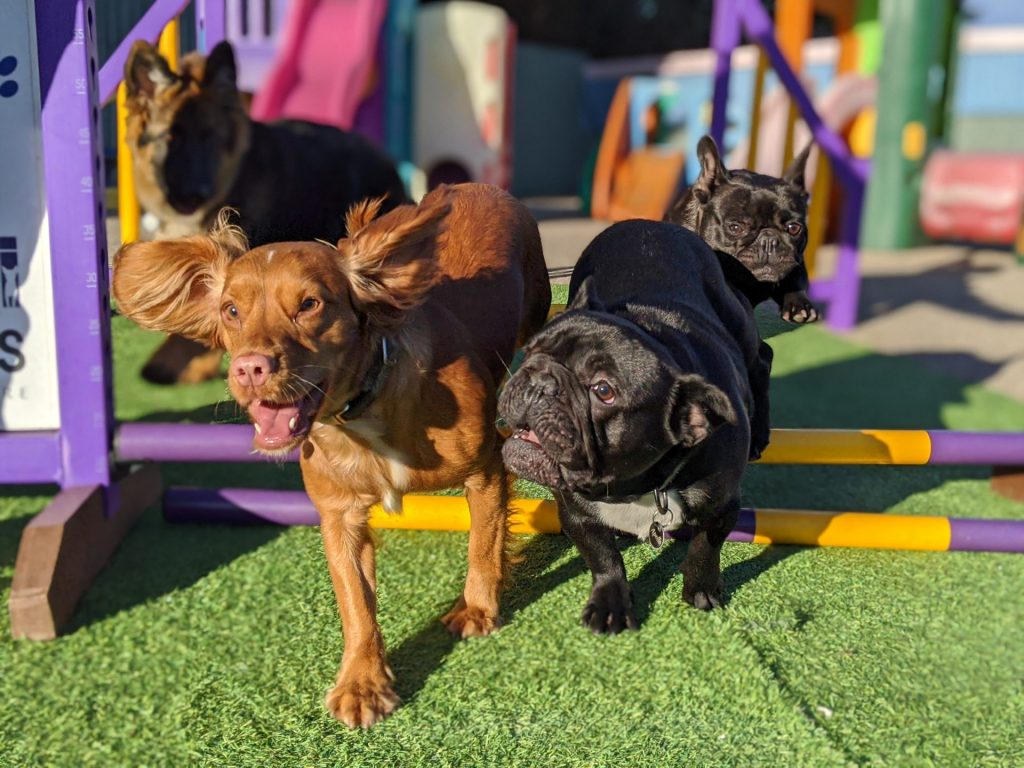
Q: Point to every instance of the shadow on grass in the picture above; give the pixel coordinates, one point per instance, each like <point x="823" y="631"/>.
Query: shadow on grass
<point x="10" y="538"/>
<point x="417" y="657"/>
<point x="158" y="558"/>
<point x="947" y="285"/>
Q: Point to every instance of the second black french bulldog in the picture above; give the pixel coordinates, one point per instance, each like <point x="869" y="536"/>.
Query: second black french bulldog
<point x="637" y="404"/>
<point x="757" y="225"/>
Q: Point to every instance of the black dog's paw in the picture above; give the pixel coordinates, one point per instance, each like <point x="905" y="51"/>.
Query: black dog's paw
<point x="797" y="308"/>
<point x="758" y="442"/>
<point x="609" y="609"/>
<point x="703" y="598"/>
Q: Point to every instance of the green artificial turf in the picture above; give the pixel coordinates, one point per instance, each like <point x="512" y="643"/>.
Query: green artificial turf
<point x="206" y="645"/>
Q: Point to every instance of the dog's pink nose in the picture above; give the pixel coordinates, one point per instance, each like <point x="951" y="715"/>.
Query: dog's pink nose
<point x="252" y="370"/>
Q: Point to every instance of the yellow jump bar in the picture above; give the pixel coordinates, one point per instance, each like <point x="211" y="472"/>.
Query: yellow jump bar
<point x="848" y="446"/>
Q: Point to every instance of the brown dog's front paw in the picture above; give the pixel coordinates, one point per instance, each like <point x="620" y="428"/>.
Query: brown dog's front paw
<point x="797" y="308"/>
<point x="362" y="703"/>
<point x="465" y="621"/>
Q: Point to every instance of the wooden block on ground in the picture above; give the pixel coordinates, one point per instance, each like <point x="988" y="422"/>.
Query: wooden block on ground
<point x="66" y="545"/>
<point x="1008" y="482"/>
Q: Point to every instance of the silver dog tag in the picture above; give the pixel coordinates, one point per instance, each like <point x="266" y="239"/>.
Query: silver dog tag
<point x="656" y="535"/>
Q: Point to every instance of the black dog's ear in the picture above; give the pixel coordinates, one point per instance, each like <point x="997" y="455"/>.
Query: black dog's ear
<point x="697" y="409"/>
<point x="586" y="297"/>
<point x="146" y="71"/>
<point x="712" y="170"/>
<point x="220" y="72"/>
<point x="795" y="173"/>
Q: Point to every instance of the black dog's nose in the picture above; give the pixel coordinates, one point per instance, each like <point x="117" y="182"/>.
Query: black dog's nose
<point x="769" y="244"/>
<point x="545" y="382"/>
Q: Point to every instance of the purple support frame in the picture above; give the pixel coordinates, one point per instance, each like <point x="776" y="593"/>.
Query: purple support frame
<point x="725" y="37"/>
<point x="73" y="172"/>
<point x="30" y="457"/>
<point x="209" y="23"/>
<point x="730" y="18"/>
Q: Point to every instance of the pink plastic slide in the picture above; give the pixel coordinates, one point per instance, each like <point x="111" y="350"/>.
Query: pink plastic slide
<point x="323" y="69"/>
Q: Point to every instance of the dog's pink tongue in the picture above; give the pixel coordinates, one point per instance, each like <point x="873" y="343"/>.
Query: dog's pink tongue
<point x="272" y="422"/>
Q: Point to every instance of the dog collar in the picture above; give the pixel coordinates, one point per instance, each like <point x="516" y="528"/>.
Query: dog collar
<point x="662" y="519"/>
<point x="663" y="514"/>
<point x="358" y="405"/>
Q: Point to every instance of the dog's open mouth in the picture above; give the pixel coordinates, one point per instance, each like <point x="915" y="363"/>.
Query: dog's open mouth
<point x="525" y="456"/>
<point x="528" y="435"/>
<point x="281" y="425"/>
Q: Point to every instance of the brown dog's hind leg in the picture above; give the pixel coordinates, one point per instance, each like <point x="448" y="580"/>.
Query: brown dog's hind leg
<point x="182" y="361"/>
<point x="476" y="612"/>
<point x="363" y="694"/>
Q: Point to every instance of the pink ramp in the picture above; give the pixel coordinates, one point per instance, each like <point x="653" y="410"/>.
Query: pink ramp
<point x="324" y="68"/>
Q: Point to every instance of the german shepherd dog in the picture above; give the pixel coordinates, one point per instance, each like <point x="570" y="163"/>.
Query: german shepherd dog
<point x="195" y="150"/>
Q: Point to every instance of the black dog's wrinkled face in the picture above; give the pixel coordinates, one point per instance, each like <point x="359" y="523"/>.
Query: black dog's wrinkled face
<point x="759" y="220"/>
<point x="597" y="401"/>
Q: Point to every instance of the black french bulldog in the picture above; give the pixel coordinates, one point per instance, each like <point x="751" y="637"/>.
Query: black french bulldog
<point x="635" y="407"/>
<point x="757" y="225"/>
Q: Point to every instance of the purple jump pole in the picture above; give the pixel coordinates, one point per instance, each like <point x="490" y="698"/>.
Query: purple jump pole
<point x="239" y="506"/>
<point x="986" y="535"/>
<point x="977" y="448"/>
<point x="233" y="443"/>
<point x="188" y="442"/>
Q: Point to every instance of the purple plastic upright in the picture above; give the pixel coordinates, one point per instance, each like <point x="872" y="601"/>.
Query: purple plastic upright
<point x="73" y="172"/>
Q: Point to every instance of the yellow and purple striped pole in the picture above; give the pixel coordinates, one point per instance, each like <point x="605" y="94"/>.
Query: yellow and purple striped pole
<point x="878" y="531"/>
<point x="907" y="447"/>
<point x="763" y="526"/>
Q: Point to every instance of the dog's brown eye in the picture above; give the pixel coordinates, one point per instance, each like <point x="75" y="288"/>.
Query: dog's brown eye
<point x="733" y="227"/>
<point x="230" y="310"/>
<point x="308" y="305"/>
<point x="603" y="391"/>
<point x="794" y="228"/>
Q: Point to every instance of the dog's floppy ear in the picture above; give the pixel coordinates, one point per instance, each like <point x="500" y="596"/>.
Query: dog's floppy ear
<point x="175" y="285"/>
<point x="361" y="214"/>
<point x="795" y="173"/>
<point x="586" y="297"/>
<point x="697" y="409"/>
<point x="220" y="72"/>
<point x="146" y="72"/>
<point x="712" y="170"/>
<point x="391" y="262"/>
